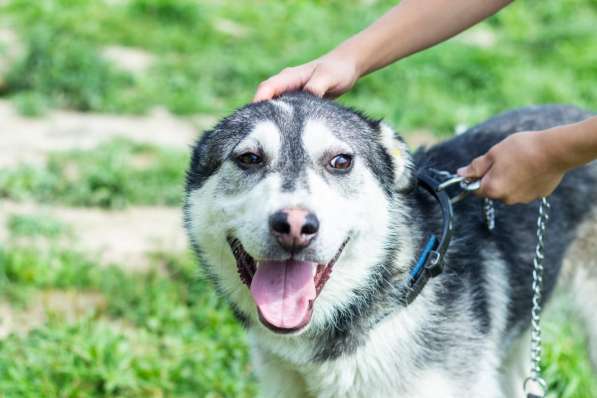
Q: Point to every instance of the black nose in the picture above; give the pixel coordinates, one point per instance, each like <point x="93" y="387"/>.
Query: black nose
<point x="294" y="228"/>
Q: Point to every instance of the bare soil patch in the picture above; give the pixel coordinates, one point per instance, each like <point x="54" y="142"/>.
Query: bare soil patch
<point x="123" y="237"/>
<point x="70" y="305"/>
<point x="24" y="139"/>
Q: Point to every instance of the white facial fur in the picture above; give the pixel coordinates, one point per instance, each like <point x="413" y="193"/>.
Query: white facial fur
<point x="364" y="215"/>
<point x="265" y="135"/>
<point x="352" y="206"/>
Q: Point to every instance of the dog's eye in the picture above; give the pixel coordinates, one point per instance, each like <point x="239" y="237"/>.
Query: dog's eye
<point x="249" y="159"/>
<point x="341" y="162"/>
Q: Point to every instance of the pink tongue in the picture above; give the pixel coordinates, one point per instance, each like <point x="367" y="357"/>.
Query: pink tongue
<point x="282" y="291"/>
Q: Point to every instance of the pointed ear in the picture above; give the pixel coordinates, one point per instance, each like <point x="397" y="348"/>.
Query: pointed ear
<point x="401" y="158"/>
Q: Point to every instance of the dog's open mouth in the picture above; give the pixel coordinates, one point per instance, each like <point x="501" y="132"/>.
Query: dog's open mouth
<point x="284" y="291"/>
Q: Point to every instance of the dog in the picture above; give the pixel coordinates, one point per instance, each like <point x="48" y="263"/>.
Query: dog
<point x="309" y="218"/>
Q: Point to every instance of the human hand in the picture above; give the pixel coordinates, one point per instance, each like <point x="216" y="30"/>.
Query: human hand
<point x="517" y="170"/>
<point x="330" y="76"/>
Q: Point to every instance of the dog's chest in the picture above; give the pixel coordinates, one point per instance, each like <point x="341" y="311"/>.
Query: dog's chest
<point x="377" y="376"/>
<point x="384" y="365"/>
<point x="354" y="376"/>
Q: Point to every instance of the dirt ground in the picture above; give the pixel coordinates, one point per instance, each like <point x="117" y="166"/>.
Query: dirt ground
<point x="30" y="139"/>
<point x="124" y="237"/>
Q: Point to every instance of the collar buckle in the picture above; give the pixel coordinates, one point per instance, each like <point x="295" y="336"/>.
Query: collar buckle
<point x="435" y="263"/>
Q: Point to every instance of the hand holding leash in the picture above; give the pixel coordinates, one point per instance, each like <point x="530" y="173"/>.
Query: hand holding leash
<point x="518" y="169"/>
<point x="467" y="186"/>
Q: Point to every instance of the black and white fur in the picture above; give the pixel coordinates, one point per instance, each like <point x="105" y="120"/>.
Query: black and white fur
<point x="465" y="335"/>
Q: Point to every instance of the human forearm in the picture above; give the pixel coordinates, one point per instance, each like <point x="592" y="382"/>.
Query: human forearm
<point x="572" y="145"/>
<point x="412" y="26"/>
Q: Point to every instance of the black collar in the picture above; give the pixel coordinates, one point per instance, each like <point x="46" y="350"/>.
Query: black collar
<point x="431" y="257"/>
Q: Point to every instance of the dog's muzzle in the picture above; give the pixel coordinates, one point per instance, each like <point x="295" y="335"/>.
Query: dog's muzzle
<point x="284" y="291"/>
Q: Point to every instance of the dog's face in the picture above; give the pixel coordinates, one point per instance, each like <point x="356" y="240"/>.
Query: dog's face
<point x="289" y="204"/>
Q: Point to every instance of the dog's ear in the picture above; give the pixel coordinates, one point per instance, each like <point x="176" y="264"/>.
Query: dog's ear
<point x="401" y="158"/>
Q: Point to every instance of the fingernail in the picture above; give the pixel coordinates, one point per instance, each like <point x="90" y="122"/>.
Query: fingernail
<point x="461" y="171"/>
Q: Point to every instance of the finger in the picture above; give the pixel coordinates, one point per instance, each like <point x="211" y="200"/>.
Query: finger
<point x="319" y="84"/>
<point x="485" y="188"/>
<point x="276" y="85"/>
<point x="493" y="187"/>
<point x="265" y="91"/>
<point x="477" y="169"/>
<point x="288" y="79"/>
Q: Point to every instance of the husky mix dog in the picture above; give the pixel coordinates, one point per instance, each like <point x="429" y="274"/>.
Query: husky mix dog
<point x="308" y="217"/>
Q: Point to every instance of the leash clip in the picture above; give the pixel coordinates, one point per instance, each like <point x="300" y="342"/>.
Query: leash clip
<point x="467" y="185"/>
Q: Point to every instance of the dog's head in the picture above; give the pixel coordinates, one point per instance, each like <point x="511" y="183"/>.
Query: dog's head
<point x="289" y="205"/>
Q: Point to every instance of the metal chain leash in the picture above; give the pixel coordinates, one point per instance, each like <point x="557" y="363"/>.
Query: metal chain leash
<point x="535" y="379"/>
<point x="489" y="213"/>
<point x="536" y="346"/>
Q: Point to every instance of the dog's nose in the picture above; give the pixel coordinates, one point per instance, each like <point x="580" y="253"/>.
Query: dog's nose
<point x="294" y="228"/>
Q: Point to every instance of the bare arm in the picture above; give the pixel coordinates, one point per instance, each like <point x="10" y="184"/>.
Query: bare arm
<point x="409" y="27"/>
<point x="412" y="26"/>
<point x="529" y="165"/>
<point x="573" y="145"/>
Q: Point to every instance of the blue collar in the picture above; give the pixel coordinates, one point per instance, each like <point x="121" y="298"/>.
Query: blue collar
<point x="431" y="257"/>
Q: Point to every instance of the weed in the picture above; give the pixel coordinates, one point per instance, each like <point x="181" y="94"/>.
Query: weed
<point x="161" y="334"/>
<point x="35" y="225"/>
<point x="67" y="71"/>
<point x="114" y="175"/>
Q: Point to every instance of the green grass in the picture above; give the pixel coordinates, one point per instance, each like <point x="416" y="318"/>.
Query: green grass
<point x="64" y="72"/>
<point x="566" y="364"/>
<point x="160" y="333"/>
<point x="164" y="333"/>
<point x="114" y="175"/>
<point x="542" y="53"/>
<point x="26" y="225"/>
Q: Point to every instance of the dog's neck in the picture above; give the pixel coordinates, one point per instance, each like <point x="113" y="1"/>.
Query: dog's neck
<point x="417" y="215"/>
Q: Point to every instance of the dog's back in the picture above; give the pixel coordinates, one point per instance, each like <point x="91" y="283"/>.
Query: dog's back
<point x="569" y="241"/>
<point x="515" y="233"/>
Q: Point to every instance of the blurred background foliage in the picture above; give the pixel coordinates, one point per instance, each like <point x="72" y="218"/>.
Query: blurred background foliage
<point x="211" y="54"/>
<point x="161" y="331"/>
